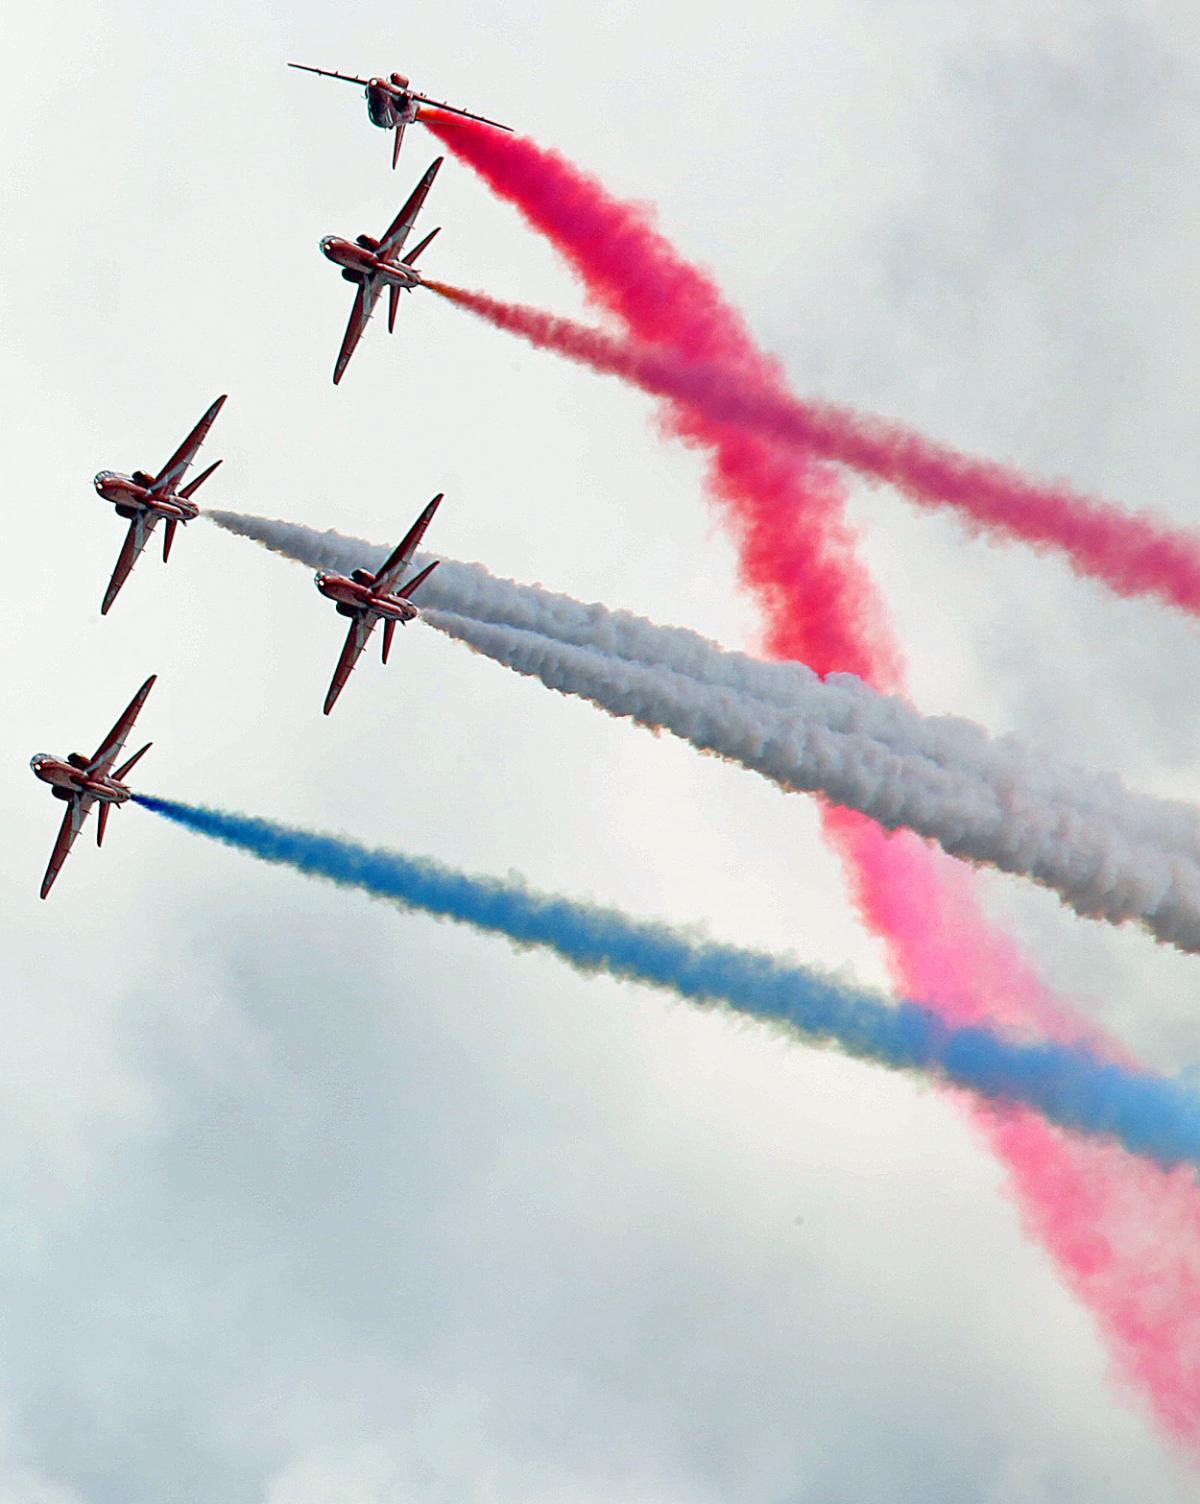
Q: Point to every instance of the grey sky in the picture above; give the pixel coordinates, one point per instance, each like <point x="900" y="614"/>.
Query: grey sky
<point x="305" y="1200"/>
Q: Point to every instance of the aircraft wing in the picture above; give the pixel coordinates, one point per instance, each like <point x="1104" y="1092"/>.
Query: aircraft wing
<point x="174" y="470"/>
<point x="364" y="306"/>
<point x="136" y="539"/>
<point x="398" y="231"/>
<point x="73" y="817"/>
<point x="347" y="78"/>
<point x="402" y="555"/>
<point x="452" y="109"/>
<point x="109" y="749"/>
<point x="356" y="639"/>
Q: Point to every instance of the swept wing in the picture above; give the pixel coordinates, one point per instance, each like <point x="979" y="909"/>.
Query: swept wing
<point x="453" y="109"/>
<point x="109" y="750"/>
<point x="365" y="300"/>
<point x="173" y="471"/>
<point x="356" y="639"/>
<point x="347" y="78"/>
<point x="402" y="555"/>
<point x="140" y="528"/>
<point x="72" y="823"/>
<point x="398" y="231"/>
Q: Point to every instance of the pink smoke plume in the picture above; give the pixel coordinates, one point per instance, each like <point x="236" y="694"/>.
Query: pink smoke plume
<point x="1127" y="1237"/>
<point x="1132" y="555"/>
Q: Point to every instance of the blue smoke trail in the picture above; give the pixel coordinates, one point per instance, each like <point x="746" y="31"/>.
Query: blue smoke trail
<point x="1149" y="1115"/>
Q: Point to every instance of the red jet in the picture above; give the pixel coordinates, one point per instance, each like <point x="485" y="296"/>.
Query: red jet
<point x="367" y="598"/>
<point x="145" y="499"/>
<point x="81" y="782"/>
<point x="376" y="264"/>
<point x="392" y="105"/>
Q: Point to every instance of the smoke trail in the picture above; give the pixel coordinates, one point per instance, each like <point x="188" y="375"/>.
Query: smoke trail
<point x="1090" y="867"/>
<point x="796" y="549"/>
<point x="1127" y="1242"/>
<point x="1022" y="801"/>
<point x="1133" y="555"/>
<point x="1148" y="1115"/>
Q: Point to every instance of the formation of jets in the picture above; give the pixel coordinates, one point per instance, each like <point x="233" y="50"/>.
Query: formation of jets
<point x="144" y="499"/>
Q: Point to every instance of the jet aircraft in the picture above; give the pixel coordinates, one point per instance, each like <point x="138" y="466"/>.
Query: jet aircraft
<point x="392" y="105"/>
<point x="83" y="781"/>
<point x="367" y="598"/>
<point x="376" y="264"/>
<point x="146" y="499"/>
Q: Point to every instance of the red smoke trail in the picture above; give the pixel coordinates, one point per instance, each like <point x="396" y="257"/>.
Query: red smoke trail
<point x="1126" y="1237"/>
<point x="1133" y="555"/>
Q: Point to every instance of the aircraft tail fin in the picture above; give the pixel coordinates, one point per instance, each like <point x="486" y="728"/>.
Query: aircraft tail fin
<point x="125" y="767"/>
<point x="389" y="631"/>
<point x="102" y="822"/>
<point x="416" y="251"/>
<point x="168" y="537"/>
<point x="411" y="588"/>
<point x="393" y="305"/>
<point x="396" y="144"/>
<point x="193" y="486"/>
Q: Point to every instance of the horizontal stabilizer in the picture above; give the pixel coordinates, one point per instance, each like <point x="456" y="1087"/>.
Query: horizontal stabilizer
<point x="416" y="251"/>
<point x="193" y="486"/>
<point x="417" y="580"/>
<point x="119" y="775"/>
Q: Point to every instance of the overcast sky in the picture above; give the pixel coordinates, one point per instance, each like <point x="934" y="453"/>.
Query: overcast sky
<point x="305" y="1200"/>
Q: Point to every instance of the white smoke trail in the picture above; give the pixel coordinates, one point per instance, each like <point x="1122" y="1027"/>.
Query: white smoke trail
<point x="1108" y="852"/>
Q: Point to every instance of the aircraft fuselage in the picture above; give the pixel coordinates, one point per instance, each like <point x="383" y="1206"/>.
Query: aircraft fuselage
<point x="131" y="494"/>
<point x="356" y="596"/>
<point x="352" y="257"/>
<point x="389" y="103"/>
<point x="66" y="779"/>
